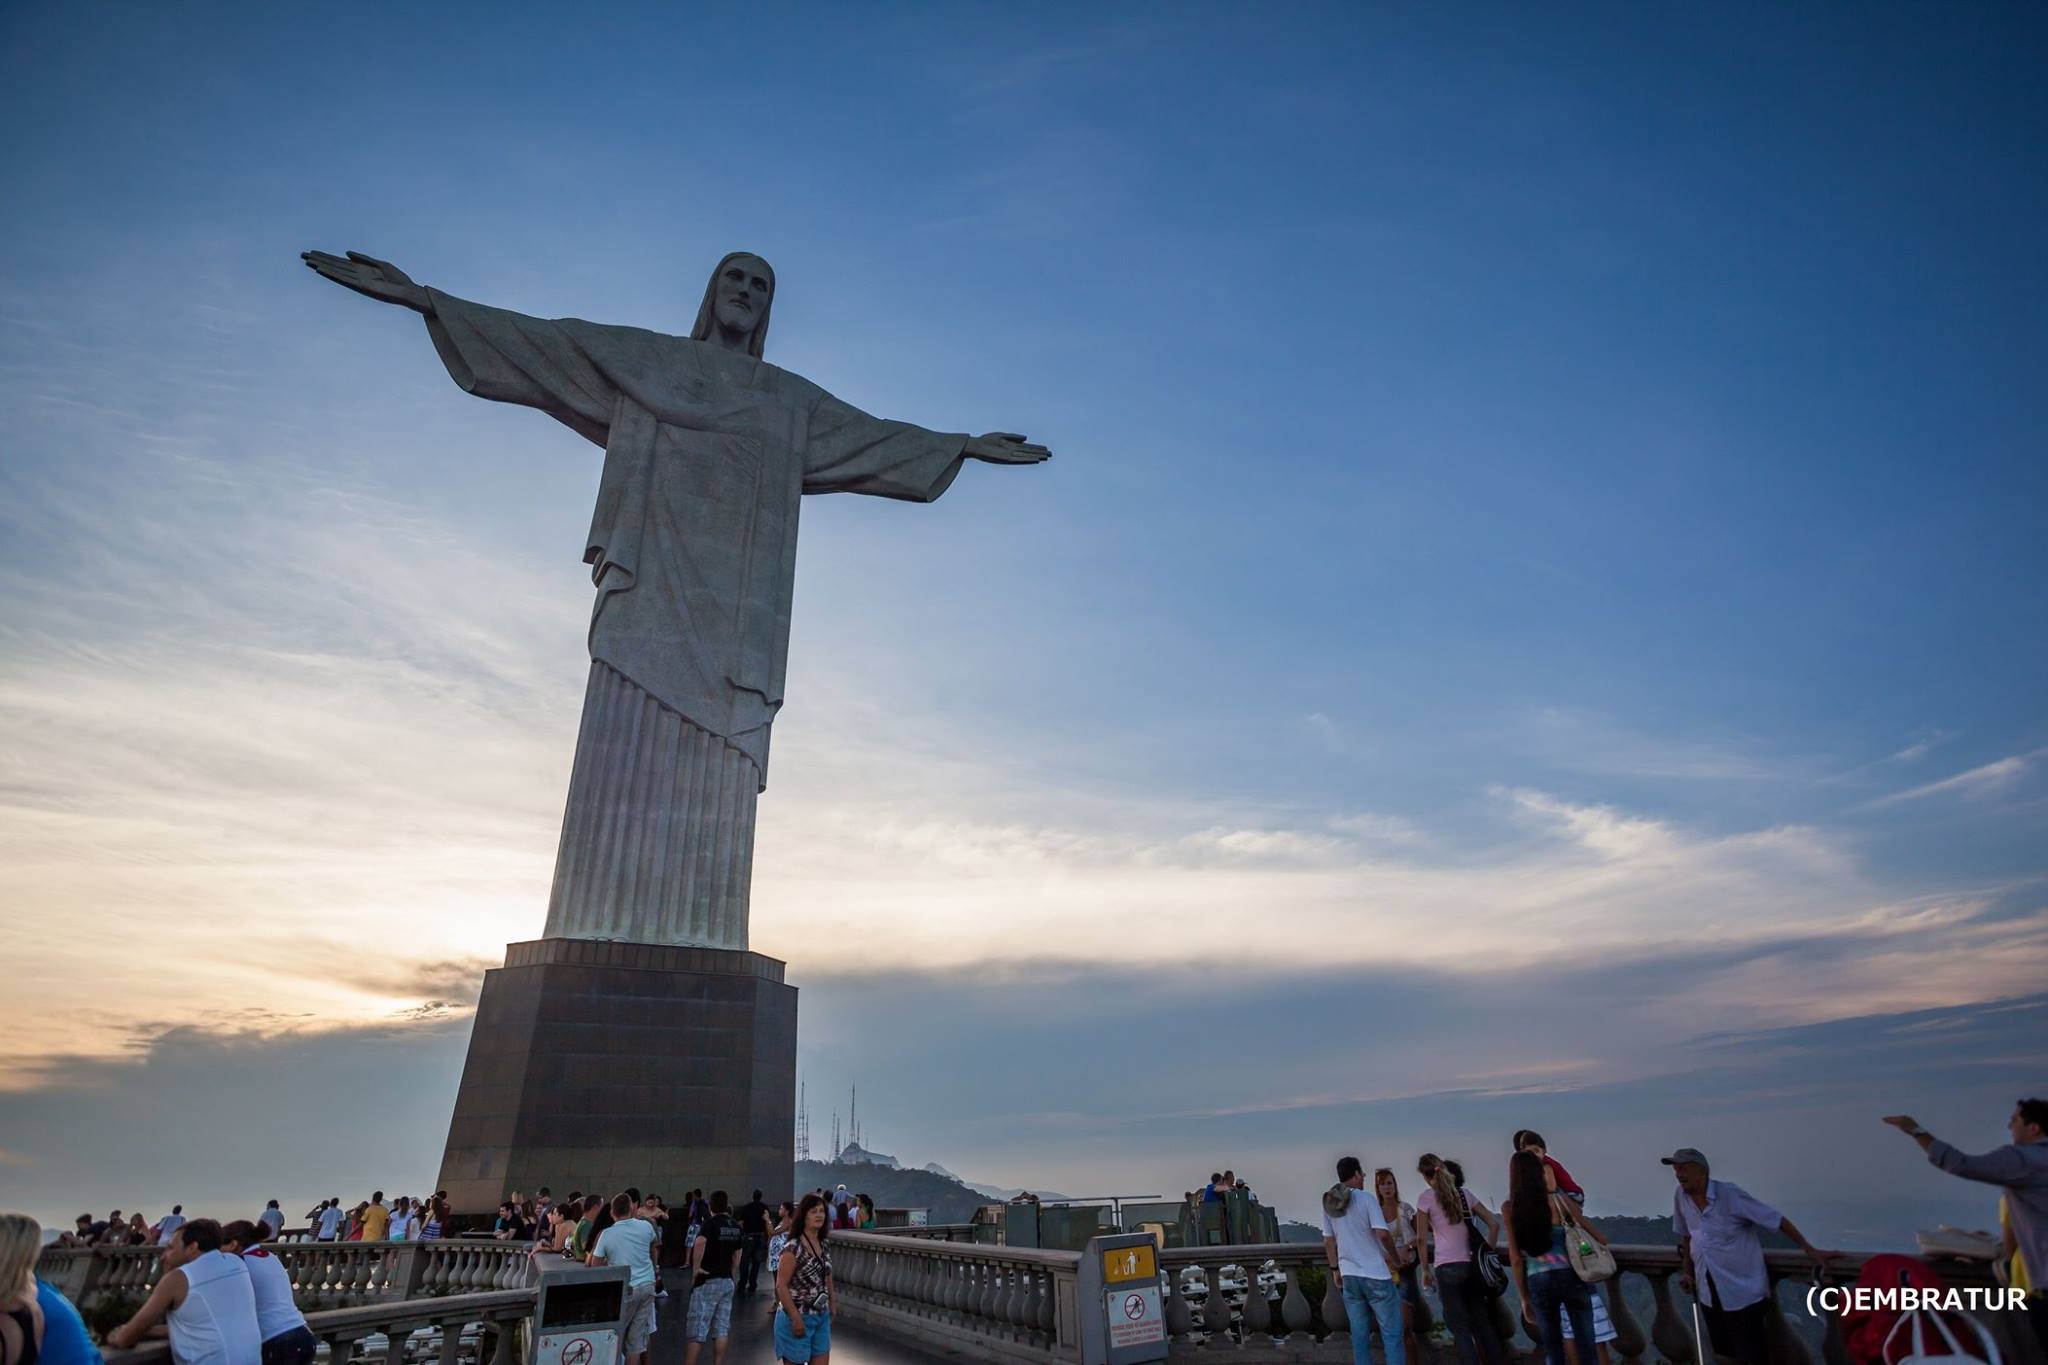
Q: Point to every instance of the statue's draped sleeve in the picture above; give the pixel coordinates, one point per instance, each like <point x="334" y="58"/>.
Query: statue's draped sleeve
<point x="498" y="354"/>
<point x="850" y="452"/>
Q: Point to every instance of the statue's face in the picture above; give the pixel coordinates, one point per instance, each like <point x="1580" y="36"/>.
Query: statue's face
<point x="741" y="294"/>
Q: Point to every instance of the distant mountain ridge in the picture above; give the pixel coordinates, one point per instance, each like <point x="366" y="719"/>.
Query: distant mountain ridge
<point x="895" y="1186"/>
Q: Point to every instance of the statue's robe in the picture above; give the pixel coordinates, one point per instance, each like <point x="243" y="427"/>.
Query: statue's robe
<point x="693" y="550"/>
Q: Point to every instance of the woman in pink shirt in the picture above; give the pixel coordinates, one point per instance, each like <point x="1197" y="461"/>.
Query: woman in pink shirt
<point x="1443" y="1235"/>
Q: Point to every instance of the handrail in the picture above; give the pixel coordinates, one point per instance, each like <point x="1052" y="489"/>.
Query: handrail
<point x="343" y="1328"/>
<point x="964" y="1251"/>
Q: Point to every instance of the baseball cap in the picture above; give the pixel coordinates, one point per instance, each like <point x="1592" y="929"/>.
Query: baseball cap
<point x="1692" y="1154"/>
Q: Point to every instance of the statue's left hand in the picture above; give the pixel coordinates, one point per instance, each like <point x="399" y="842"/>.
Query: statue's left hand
<point x="367" y="275"/>
<point x="1006" y="447"/>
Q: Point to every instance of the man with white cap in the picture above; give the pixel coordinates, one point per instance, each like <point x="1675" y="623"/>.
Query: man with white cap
<point x="1721" y="1254"/>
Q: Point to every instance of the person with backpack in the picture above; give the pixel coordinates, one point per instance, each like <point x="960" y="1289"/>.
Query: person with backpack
<point x="1444" y="1236"/>
<point x="1721" y="1254"/>
<point x="1359" y="1249"/>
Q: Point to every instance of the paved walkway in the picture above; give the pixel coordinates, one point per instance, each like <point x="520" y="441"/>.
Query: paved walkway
<point x="753" y="1343"/>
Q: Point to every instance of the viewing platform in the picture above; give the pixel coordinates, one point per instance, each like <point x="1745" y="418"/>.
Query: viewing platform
<point x="908" y="1296"/>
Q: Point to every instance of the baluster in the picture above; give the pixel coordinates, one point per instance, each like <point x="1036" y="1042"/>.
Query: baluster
<point x="986" y="1290"/>
<point x="507" y="1352"/>
<point x="1294" y="1308"/>
<point x="1258" y="1314"/>
<point x="1010" y="1308"/>
<point x="1833" y="1349"/>
<point x="1215" y="1307"/>
<point x="960" y="1290"/>
<point x="1504" y="1319"/>
<point x="1023" y="1314"/>
<point x="1668" y="1333"/>
<point x="1335" y="1318"/>
<point x="1629" y="1341"/>
<point x="1034" y="1290"/>
<point x="1785" y="1346"/>
<point x="1180" y="1321"/>
<point x="1048" y="1296"/>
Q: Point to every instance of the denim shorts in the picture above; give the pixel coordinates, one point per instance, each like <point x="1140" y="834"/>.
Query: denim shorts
<point x="798" y="1347"/>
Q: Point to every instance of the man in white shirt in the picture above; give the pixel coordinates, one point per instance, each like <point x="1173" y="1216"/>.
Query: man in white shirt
<point x="286" y="1338"/>
<point x="1721" y="1254"/>
<point x="630" y="1242"/>
<point x="272" y="1218"/>
<point x="1359" y="1249"/>
<point x="329" y="1224"/>
<point x="204" y="1298"/>
<point x="172" y="1221"/>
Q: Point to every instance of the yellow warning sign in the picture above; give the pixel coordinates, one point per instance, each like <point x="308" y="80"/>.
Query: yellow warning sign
<point x="1130" y="1263"/>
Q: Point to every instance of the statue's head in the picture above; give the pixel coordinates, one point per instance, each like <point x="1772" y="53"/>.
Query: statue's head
<point x="736" y="302"/>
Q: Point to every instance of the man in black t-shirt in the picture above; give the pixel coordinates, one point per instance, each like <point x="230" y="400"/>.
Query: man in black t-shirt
<point x="712" y="1256"/>
<point x="753" y="1243"/>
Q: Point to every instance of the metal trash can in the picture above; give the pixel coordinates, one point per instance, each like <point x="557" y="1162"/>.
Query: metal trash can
<point x="579" y="1316"/>
<point x="1123" y="1314"/>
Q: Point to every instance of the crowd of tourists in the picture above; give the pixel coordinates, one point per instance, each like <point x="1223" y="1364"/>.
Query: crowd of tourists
<point x="223" y="1298"/>
<point x="1385" y="1252"/>
<point x="403" y="1219"/>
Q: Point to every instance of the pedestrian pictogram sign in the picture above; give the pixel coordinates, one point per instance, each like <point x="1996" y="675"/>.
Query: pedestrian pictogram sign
<point x="1125" y="1321"/>
<point x="1129" y="1263"/>
<point x="577" y="1352"/>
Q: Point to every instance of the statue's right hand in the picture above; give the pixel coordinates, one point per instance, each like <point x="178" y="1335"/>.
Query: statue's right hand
<point x="367" y="275"/>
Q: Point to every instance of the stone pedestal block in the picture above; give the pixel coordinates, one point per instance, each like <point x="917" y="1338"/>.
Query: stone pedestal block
<point x="596" y="1065"/>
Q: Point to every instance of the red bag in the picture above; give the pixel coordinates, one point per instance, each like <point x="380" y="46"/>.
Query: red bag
<point x="1865" y="1332"/>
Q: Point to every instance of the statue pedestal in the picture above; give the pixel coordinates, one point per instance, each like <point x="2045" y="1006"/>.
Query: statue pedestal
<point x="597" y="1065"/>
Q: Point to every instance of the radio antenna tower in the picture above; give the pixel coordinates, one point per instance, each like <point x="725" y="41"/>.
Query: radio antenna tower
<point x="853" y="1117"/>
<point x="803" y="1124"/>
<point x="835" y="1135"/>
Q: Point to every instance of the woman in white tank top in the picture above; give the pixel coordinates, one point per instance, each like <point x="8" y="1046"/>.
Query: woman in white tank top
<point x="206" y="1297"/>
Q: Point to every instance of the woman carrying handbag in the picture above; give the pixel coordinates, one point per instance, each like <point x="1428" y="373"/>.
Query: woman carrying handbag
<point x="1451" y="1246"/>
<point x="1547" y="1244"/>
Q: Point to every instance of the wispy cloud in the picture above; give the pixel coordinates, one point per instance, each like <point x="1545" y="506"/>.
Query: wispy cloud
<point x="1984" y="780"/>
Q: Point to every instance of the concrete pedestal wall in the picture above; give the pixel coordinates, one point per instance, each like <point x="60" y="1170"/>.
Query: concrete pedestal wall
<point x="595" y="1066"/>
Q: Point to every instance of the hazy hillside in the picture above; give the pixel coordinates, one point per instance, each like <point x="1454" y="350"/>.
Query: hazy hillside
<point x="895" y="1188"/>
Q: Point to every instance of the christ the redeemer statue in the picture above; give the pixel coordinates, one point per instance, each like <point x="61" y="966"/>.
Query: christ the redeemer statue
<point x="708" y="451"/>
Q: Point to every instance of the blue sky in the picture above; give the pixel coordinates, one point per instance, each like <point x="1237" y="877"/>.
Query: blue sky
<point x="1547" y="518"/>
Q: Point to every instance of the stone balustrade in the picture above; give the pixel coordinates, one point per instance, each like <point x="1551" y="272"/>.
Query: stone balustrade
<point x="1015" y="1304"/>
<point x="459" y="1329"/>
<point x="324" y="1275"/>
<point x="990" y="1302"/>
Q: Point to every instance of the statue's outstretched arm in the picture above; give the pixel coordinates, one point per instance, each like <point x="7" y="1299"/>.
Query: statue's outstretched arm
<point x="1005" y="447"/>
<point x="380" y="280"/>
